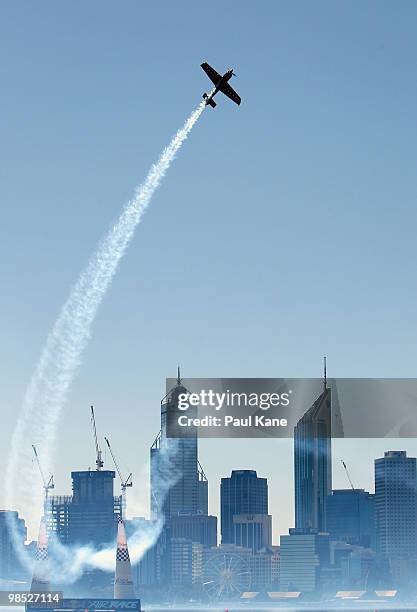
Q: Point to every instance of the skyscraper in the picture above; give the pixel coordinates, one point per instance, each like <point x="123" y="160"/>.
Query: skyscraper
<point x="351" y="517"/>
<point x="185" y="563"/>
<point x="179" y="488"/>
<point x="10" y="566"/>
<point x="252" y="531"/>
<point x="303" y="555"/>
<point x="90" y="514"/>
<point x="242" y="493"/>
<point x="313" y="463"/>
<point x="395" y="504"/>
<point x="178" y="483"/>
<point x="199" y="528"/>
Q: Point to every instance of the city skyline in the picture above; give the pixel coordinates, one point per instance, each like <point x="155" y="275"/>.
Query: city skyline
<point x="280" y="527"/>
<point x="283" y="513"/>
<point x="343" y="538"/>
<point x="306" y="557"/>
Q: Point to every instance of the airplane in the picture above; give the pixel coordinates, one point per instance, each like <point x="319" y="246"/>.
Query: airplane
<point x="221" y="84"/>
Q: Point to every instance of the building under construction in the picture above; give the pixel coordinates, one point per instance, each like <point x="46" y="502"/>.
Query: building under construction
<point x="90" y="515"/>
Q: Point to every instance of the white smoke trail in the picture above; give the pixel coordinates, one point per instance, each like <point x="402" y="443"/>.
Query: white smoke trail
<point x="61" y="356"/>
<point x="67" y="563"/>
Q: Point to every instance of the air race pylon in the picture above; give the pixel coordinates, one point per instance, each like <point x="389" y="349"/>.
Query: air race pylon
<point x="40" y="578"/>
<point x="123" y="581"/>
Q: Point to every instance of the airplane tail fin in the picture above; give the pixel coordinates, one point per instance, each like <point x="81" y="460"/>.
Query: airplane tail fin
<point x="210" y="101"/>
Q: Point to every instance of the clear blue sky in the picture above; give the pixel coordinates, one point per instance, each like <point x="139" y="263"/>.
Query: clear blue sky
<point x="284" y="230"/>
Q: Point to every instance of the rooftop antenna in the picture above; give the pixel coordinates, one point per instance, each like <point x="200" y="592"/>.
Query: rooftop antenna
<point x="124" y="483"/>
<point x="178" y="376"/>
<point x="325" y="372"/>
<point x="99" y="460"/>
<point x="47" y="485"/>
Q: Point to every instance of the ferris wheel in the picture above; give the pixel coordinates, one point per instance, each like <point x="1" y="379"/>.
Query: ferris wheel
<point x="226" y="575"/>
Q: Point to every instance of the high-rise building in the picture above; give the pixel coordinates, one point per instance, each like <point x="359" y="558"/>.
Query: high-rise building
<point x="10" y="566"/>
<point x="265" y="566"/>
<point x="186" y="562"/>
<point x="304" y="553"/>
<point x="91" y="513"/>
<point x="199" y="528"/>
<point x="313" y="463"/>
<point x="178" y="483"/>
<point x="179" y="488"/>
<point x="145" y="571"/>
<point x="243" y="493"/>
<point x="351" y="517"/>
<point x="252" y="531"/>
<point x="152" y="571"/>
<point x="395" y="504"/>
<point x="356" y="564"/>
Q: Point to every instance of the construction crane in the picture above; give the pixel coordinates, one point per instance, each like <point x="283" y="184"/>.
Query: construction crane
<point x="347" y="474"/>
<point x="47" y="485"/>
<point x="99" y="460"/>
<point x="124" y="482"/>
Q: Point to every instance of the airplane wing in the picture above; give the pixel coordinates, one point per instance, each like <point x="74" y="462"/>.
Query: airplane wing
<point x="211" y="73"/>
<point x="230" y="93"/>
